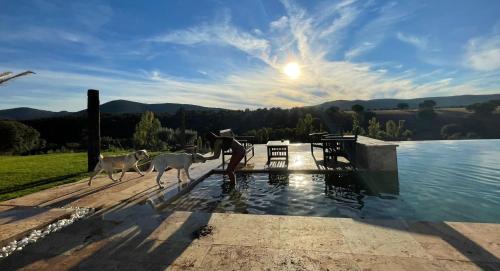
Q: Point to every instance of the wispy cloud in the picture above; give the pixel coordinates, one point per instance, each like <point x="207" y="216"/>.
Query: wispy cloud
<point x="483" y="53"/>
<point x="417" y="41"/>
<point x="221" y="33"/>
<point x="374" y="32"/>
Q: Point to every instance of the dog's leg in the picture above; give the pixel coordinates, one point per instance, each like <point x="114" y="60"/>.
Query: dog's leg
<point x="110" y="175"/>
<point x="186" y="169"/>
<point x="93" y="174"/>
<point x="158" y="178"/>
<point x="97" y="170"/>
<point x="179" y="175"/>
<point x="123" y="173"/>
<point x="138" y="170"/>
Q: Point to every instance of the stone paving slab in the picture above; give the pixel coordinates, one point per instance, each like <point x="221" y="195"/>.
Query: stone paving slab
<point x="148" y="240"/>
<point x="16" y="222"/>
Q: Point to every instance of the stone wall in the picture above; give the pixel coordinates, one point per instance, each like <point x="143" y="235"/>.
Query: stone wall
<point x="376" y="155"/>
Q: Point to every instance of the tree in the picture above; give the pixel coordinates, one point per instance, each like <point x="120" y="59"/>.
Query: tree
<point x="495" y="102"/>
<point x="146" y="131"/>
<point x="357" y="129"/>
<point x="18" y="138"/>
<point x="403" y="106"/>
<point x="304" y="126"/>
<point x="357" y="108"/>
<point x="333" y="110"/>
<point x="391" y="130"/>
<point x="403" y="133"/>
<point x="373" y="128"/>
<point x="426" y="110"/>
<point x="482" y="109"/>
<point x="452" y="129"/>
<point x="6" y="76"/>
<point x="427" y="104"/>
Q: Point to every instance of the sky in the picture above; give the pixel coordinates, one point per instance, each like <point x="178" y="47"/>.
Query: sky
<point x="234" y="54"/>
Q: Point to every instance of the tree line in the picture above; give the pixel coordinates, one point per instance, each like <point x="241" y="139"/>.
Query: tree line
<point x="170" y="131"/>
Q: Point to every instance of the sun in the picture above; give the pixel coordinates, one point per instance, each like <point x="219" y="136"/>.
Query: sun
<point x="292" y="70"/>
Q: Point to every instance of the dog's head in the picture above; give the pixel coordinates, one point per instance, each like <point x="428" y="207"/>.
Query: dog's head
<point x="198" y="158"/>
<point x="141" y="154"/>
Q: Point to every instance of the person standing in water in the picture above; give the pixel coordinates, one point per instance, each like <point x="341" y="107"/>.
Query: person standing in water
<point x="224" y="143"/>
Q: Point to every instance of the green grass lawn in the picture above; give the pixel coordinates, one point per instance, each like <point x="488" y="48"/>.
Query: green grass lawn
<point x="20" y="175"/>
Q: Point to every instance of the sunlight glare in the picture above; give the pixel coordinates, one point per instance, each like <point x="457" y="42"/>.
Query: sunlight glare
<point x="292" y="70"/>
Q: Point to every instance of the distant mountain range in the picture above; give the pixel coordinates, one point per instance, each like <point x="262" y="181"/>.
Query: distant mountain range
<point x="448" y="101"/>
<point x="26" y="113"/>
<point x="123" y="106"/>
<point x="113" y="107"/>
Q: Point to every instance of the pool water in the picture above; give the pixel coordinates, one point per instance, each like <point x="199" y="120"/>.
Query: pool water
<point x="437" y="180"/>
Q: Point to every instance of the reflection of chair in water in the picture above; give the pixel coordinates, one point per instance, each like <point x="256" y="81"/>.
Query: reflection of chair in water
<point x="278" y="178"/>
<point x="343" y="186"/>
<point x="354" y="186"/>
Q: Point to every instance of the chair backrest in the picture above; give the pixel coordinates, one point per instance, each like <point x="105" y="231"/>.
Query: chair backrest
<point x="226" y="132"/>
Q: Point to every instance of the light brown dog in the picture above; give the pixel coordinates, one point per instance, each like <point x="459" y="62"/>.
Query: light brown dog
<point x="123" y="162"/>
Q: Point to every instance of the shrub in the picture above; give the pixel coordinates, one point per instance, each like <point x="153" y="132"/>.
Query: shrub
<point x="146" y="131"/>
<point x="483" y="109"/>
<point x="357" y="108"/>
<point x="18" y="138"/>
<point x="426" y="114"/>
<point x="403" y="106"/>
<point x="374" y="128"/>
<point x="450" y="129"/>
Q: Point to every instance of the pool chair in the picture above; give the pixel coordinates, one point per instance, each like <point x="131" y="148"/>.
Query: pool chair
<point x="334" y="145"/>
<point x="246" y="141"/>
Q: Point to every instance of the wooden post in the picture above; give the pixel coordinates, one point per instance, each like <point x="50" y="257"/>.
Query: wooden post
<point x="183" y="127"/>
<point x="94" y="128"/>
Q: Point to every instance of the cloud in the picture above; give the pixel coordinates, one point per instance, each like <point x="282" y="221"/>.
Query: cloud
<point x="359" y="50"/>
<point x="374" y="31"/>
<point x="279" y="24"/>
<point x="419" y="42"/>
<point x="483" y="53"/>
<point x="221" y="33"/>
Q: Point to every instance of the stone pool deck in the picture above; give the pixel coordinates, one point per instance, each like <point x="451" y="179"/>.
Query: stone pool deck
<point x="127" y="232"/>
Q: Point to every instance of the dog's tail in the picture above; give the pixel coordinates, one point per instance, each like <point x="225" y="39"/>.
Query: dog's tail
<point x="151" y="167"/>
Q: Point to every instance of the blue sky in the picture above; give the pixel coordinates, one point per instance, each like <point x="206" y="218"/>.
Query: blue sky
<point x="232" y="54"/>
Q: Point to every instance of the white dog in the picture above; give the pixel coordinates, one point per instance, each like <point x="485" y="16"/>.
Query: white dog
<point x="174" y="160"/>
<point x="123" y="162"/>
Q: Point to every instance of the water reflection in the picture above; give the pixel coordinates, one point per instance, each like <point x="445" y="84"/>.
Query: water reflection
<point x="333" y="194"/>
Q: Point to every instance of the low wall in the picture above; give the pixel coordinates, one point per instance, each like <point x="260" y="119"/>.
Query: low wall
<point x="376" y="155"/>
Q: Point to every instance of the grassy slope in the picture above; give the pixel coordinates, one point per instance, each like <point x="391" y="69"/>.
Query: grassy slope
<point x="20" y="175"/>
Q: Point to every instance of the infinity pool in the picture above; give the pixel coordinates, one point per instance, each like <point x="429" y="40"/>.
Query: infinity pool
<point x="437" y="180"/>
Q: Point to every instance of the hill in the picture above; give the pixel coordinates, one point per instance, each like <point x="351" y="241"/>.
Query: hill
<point x="26" y="113"/>
<point x="124" y="106"/>
<point x="448" y="101"/>
<point x="113" y="107"/>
